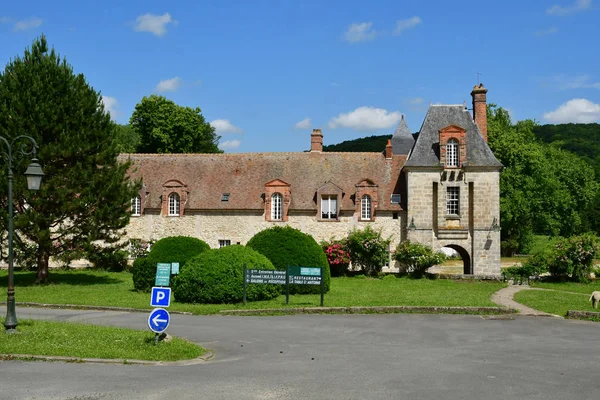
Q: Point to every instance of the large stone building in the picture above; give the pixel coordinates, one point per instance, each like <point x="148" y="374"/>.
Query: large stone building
<point x="439" y="187"/>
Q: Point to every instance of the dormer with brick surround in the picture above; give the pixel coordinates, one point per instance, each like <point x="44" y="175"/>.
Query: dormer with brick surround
<point x="174" y="198"/>
<point x="277" y="200"/>
<point x="453" y="146"/>
<point x="366" y="199"/>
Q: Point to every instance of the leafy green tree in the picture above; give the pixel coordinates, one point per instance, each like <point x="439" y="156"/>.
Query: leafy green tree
<point x="165" y="127"/>
<point x="543" y="189"/>
<point x="368" y="250"/>
<point x="417" y="257"/>
<point x="85" y="194"/>
<point x="126" y="138"/>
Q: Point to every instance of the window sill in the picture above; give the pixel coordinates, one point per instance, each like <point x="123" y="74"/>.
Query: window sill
<point x="366" y="220"/>
<point x="136" y="215"/>
<point x="452" y="217"/>
<point x="328" y="220"/>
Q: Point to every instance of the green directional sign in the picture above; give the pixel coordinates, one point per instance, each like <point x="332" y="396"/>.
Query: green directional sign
<point x="175" y="268"/>
<point x="163" y="274"/>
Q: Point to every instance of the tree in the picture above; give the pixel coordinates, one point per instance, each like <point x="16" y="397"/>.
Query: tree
<point x="165" y="127"/>
<point x="126" y="138"/>
<point x="543" y="189"/>
<point x="85" y="194"/>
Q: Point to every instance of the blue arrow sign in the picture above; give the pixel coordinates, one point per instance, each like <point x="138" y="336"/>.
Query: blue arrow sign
<point x="158" y="321"/>
<point x="161" y="297"/>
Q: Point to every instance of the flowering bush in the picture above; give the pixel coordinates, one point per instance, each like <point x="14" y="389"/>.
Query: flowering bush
<point x="573" y="257"/>
<point x="139" y="248"/>
<point x="368" y="250"/>
<point x="417" y="257"/>
<point x="337" y="256"/>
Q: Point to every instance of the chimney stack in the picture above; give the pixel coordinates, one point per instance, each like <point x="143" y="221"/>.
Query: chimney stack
<point x="480" y="109"/>
<point x="316" y="141"/>
<point x="388" y="149"/>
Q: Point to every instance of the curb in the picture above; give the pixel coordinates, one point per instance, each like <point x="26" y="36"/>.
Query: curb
<point x="86" y="307"/>
<point x="31" y="357"/>
<point x="375" y="310"/>
<point x="585" y="315"/>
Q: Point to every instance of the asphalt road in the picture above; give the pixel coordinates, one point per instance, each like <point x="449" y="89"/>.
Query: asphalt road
<point x="334" y="357"/>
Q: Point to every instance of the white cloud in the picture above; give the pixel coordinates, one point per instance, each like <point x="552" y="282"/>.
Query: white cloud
<point x="584" y="81"/>
<point x="224" y="126"/>
<point x="546" y="32"/>
<point x="304" y="124"/>
<point x="156" y="24"/>
<point x="110" y="105"/>
<point x="578" y="6"/>
<point x="168" y="85"/>
<point x="361" y="32"/>
<point x="405" y="24"/>
<point x="29" y="23"/>
<point x="366" y="119"/>
<point x="230" y="144"/>
<point x="575" y="110"/>
<point x="416" y="101"/>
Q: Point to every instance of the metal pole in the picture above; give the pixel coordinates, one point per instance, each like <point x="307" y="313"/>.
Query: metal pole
<point x="322" y="286"/>
<point x="287" y="285"/>
<point x="10" y="323"/>
<point x="244" y="284"/>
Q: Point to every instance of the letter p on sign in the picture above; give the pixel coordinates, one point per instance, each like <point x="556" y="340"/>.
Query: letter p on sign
<point x="161" y="297"/>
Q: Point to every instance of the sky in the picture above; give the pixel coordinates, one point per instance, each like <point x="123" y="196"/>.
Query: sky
<point x="266" y="72"/>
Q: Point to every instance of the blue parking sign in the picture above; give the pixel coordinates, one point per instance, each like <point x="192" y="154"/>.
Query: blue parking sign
<point x="161" y="297"/>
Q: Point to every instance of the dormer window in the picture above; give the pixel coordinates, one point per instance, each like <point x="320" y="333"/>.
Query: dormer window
<point x="452" y="153"/>
<point x="276" y="206"/>
<point x="366" y="208"/>
<point x="366" y="199"/>
<point x="174" y="203"/>
<point x="136" y="206"/>
<point x="225" y="197"/>
<point x="329" y="207"/>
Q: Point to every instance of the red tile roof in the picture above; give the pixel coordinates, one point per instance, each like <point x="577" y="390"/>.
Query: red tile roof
<point x="244" y="175"/>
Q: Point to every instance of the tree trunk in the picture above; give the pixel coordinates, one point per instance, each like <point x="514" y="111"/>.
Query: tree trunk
<point x="42" y="270"/>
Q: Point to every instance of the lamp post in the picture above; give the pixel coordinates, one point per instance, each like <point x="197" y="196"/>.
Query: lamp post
<point x="34" y="176"/>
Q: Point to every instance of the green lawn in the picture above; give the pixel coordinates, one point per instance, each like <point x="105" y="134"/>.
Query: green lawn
<point x="90" y="341"/>
<point x="86" y="287"/>
<point x="560" y="298"/>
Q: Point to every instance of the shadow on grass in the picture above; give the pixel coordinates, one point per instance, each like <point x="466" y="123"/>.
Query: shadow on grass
<point x="63" y="278"/>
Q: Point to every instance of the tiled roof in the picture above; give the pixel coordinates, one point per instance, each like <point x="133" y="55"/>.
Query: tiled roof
<point x="426" y="150"/>
<point x="244" y="175"/>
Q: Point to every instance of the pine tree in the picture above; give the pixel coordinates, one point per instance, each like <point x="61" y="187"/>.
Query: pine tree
<point x="85" y="194"/>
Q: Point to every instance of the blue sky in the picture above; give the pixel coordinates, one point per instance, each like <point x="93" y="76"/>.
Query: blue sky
<point x="266" y="72"/>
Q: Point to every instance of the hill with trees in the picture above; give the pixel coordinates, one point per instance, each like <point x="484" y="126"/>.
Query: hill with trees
<point x="368" y="144"/>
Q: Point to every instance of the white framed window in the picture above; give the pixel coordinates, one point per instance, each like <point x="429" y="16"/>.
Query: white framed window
<point x="224" y="242"/>
<point x="174" y="204"/>
<point x="276" y="202"/>
<point x="329" y="206"/>
<point x="136" y="206"/>
<point x="452" y="153"/>
<point x="395" y="198"/>
<point x="453" y="200"/>
<point x="365" y="207"/>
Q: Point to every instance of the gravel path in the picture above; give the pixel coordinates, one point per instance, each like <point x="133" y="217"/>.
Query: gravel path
<point x="504" y="297"/>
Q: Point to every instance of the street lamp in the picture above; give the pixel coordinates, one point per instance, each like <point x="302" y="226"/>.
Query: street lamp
<point x="34" y="176"/>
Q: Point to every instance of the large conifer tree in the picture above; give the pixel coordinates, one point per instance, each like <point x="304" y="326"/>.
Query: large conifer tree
<point x="85" y="194"/>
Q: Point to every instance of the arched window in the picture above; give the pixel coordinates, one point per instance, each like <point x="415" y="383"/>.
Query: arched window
<point x="452" y="153"/>
<point x="276" y="201"/>
<point x="173" y="204"/>
<point x="365" y="207"/>
<point x="136" y="206"/>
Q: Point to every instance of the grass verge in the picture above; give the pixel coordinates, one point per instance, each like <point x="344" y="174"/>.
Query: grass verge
<point x="553" y="302"/>
<point x="97" y="288"/>
<point x="49" y="338"/>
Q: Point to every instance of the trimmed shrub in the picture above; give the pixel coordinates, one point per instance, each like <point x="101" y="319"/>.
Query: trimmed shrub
<point x="177" y="249"/>
<point x="286" y="246"/>
<point x="108" y="259"/>
<point x="144" y="273"/>
<point x="417" y="257"/>
<point x="167" y="250"/>
<point x="217" y="276"/>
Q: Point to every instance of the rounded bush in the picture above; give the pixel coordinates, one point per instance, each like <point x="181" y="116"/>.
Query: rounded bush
<point x="167" y="250"/>
<point x="286" y="246"/>
<point x="177" y="249"/>
<point x="217" y="276"/>
<point x="143" y="274"/>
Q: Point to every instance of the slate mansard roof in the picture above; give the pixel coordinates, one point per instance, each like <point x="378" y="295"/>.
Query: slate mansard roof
<point x="244" y="175"/>
<point x="426" y="153"/>
<point x="402" y="139"/>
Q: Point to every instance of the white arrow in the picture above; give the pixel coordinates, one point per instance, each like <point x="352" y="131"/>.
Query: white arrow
<point x="156" y="320"/>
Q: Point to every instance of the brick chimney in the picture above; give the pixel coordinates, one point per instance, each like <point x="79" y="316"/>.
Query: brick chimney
<point x="388" y="149"/>
<point x="479" y="109"/>
<point x="316" y="141"/>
